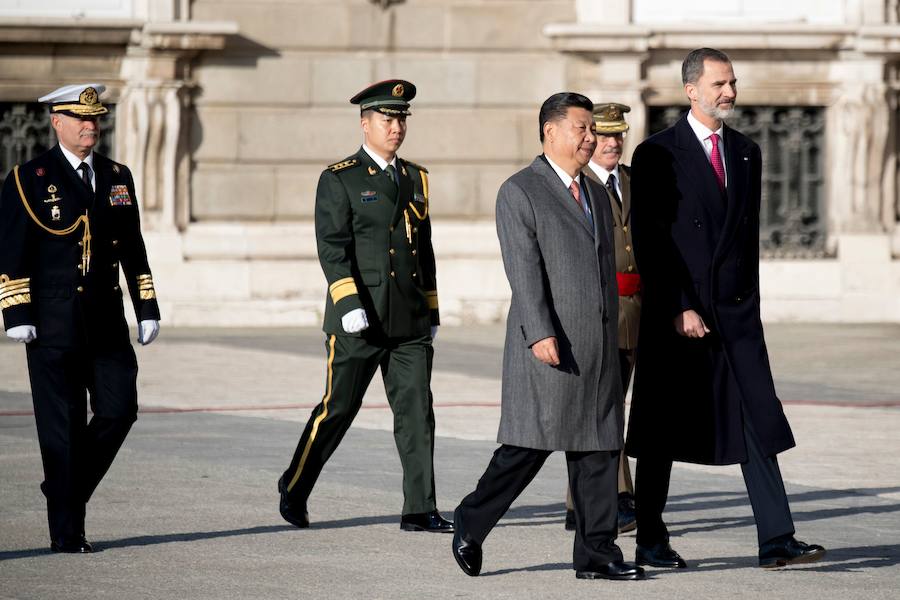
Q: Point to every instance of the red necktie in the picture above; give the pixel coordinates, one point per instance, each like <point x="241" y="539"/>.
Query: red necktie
<point x="576" y="193"/>
<point x="716" y="159"/>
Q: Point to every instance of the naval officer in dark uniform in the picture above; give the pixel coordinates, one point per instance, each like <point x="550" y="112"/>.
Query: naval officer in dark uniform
<point x="68" y="221"/>
<point x="381" y="310"/>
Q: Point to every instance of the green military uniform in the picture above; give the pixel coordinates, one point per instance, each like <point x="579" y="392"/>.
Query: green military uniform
<point x="374" y="245"/>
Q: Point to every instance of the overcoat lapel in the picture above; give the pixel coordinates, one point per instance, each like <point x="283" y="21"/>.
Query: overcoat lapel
<point x="694" y="160"/>
<point x="625" y="181"/>
<point x="737" y="160"/>
<point x="101" y="168"/>
<point x="557" y="190"/>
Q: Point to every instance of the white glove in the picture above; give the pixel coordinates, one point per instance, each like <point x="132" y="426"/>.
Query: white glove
<point x="22" y="333"/>
<point x="355" y="321"/>
<point x="147" y="331"/>
<point x="433" y="332"/>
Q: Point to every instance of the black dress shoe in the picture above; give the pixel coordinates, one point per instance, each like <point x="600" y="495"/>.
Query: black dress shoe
<point x="467" y="555"/>
<point x="617" y="570"/>
<point x="627" y="517"/>
<point x="660" y="555"/>
<point x="787" y="550"/>
<point x="570" y="520"/>
<point x="430" y="521"/>
<point x="74" y="545"/>
<point x="296" y="515"/>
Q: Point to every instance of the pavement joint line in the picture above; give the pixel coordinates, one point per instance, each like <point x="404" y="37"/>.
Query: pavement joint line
<point x="384" y="405"/>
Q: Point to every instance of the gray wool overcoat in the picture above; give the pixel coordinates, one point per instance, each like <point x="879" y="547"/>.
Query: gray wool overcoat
<point x="562" y="274"/>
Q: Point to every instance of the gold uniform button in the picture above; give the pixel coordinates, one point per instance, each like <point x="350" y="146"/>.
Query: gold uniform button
<point x="415" y="230"/>
<point x="116" y="288"/>
<point x="79" y="288"/>
<point x="625" y="228"/>
<point x="115" y="242"/>
<point x="627" y="248"/>
<point x="391" y="251"/>
<point x="414" y="275"/>
<point x="392" y="273"/>
<point x="414" y="252"/>
<point x="630" y="268"/>
<point x="115" y="265"/>
<point x="80" y="244"/>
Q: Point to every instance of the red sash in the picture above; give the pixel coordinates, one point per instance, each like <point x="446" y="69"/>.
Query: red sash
<point x="629" y="283"/>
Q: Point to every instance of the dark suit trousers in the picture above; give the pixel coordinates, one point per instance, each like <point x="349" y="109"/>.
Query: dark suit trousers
<point x="76" y="453"/>
<point x="406" y="370"/>
<point x="762" y="477"/>
<point x="592" y="479"/>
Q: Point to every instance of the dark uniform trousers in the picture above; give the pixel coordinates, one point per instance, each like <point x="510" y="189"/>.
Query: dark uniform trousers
<point x="592" y="480"/>
<point x="406" y="370"/>
<point x="762" y="477"/>
<point x="76" y="452"/>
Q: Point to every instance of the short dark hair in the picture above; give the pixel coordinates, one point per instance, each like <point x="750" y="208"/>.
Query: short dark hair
<point x="692" y="67"/>
<point x="557" y="106"/>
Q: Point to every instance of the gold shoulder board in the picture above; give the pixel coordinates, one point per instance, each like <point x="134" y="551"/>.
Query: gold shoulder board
<point x="415" y="166"/>
<point x="344" y="164"/>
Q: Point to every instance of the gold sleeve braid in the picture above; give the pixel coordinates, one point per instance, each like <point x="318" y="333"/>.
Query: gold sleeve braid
<point x="342" y="288"/>
<point x="146" y="290"/>
<point x="14" y="291"/>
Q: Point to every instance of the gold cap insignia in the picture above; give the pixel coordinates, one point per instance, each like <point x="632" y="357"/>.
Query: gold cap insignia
<point x="88" y="96"/>
<point x="397" y="92"/>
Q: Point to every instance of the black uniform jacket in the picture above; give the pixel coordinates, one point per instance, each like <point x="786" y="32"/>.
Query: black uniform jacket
<point x="698" y="248"/>
<point x="374" y="244"/>
<point x="42" y="277"/>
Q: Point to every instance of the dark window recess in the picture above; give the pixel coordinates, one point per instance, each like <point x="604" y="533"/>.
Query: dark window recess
<point x="792" y="140"/>
<point x="25" y="133"/>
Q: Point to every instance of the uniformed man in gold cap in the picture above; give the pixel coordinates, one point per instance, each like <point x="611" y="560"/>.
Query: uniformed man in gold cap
<point x="68" y="221"/>
<point x="381" y="310"/>
<point x="606" y="169"/>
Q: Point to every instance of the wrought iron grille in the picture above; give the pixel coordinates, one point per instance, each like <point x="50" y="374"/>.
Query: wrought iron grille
<point x="792" y="140"/>
<point x="25" y="133"/>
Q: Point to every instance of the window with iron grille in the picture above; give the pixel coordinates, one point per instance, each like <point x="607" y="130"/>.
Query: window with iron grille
<point x="792" y="140"/>
<point x="25" y="133"/>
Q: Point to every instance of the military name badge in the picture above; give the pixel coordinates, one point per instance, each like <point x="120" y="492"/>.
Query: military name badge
<point x="417" y="197"/>
<point x="119" y="196"/>
<point x="51" y="189"/>
<point x="368" y="196"/>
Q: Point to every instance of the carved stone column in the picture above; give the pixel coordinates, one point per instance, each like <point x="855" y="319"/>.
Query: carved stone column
<point x="858" y="148"/>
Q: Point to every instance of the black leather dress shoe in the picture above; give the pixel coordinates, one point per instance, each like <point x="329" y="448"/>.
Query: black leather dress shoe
<point x="660" y="555"/>
<point x="570" y="520"/>
<point x="430" y="521"/>
<point x="786" y="550"/>
<point x="75" y="545"/>
<point x="617" y="570"/>
<point x="627" y="517"/>
<point x="293" y="514"/>
<point x="467" y="555"/>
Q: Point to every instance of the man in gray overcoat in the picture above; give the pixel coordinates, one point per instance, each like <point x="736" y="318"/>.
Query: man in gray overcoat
<point x="561" y="386"/>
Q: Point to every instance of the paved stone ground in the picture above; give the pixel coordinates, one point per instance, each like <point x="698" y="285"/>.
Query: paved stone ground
<point x="189" y="509"/>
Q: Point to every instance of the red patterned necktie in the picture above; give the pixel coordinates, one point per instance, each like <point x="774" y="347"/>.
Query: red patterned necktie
<point x="576" y="193"/>
<point x="716" y="159"/>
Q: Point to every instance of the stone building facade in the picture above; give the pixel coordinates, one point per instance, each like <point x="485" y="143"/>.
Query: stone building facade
<point x="227" y="110"/>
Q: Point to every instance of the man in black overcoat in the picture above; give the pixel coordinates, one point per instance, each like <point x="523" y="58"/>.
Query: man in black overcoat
<point x="703" y="388"/>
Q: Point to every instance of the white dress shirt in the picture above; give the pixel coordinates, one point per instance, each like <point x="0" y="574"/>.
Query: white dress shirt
<point x="378" y="160"/>
<point x="703" y="132"/>
<point x="567" y="181"/>
<point x="603" y="174"/>
<point x="76" y="162"/>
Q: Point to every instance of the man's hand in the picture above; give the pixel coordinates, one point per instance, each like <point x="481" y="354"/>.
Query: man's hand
<point x="546" y="351"/>
<point x="690" y="324"/>
<point x="22" y="333"/>
<point x="355" y="321"/>
<point x="433" y="332"/>
<point x="147" y="331"/>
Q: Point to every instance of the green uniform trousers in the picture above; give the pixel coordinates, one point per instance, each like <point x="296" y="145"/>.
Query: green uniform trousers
<point x="406" y="370"/>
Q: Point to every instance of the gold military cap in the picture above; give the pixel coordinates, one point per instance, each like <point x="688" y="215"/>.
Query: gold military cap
<point x="610" y="117"/>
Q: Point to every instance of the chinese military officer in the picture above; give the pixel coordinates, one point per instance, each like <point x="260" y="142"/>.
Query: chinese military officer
<point x="374" y="242"/>
<point x="68" y="221"/>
